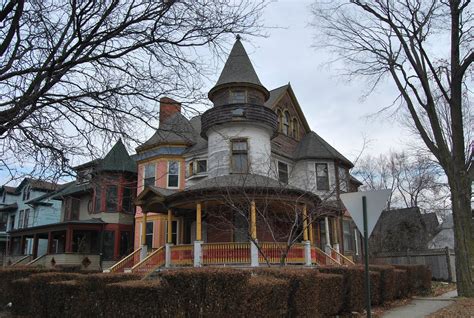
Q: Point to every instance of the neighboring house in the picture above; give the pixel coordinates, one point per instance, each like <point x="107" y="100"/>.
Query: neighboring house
<point x="25" y="206"/>
<point x="95" y="222"/>
<point x="403" y="230"/>
<point x="445" y="236"/>
<point x="253" y="143"/>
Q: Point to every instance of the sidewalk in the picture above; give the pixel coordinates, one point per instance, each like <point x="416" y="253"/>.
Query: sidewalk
<point x="422" y="306"/>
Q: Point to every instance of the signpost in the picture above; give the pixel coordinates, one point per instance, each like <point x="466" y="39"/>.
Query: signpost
<point x="365" y="209"/>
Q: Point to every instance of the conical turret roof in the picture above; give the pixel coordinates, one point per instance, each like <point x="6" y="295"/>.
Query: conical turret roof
<point x="238" y="68"/>
<point x="118" y="159"/>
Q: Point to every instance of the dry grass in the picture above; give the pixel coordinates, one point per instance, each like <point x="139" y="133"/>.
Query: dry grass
<point x="439" y="288"/>
<point x="462" y="308"/>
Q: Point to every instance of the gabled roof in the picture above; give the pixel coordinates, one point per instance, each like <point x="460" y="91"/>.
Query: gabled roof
<point x="176" y="129"/>
<point x="312" y="146"/>
<point x="238" y="68"/>
<point x="118" y="159"/>
<point x="7" y="189"/>
<point x="37" y="185"/>
<point x="277" y="94"/>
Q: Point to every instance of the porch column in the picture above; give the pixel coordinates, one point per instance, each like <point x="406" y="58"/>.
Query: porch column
<point x="306" y="242"/>
<point x="22" y="245"/>
<point x="336" y="234"/>
<point x="144" y="249"/>
<point x="198" y="241"/>
<point x="117" y="243"/>
<point x="35" y="246"/>
<point x="69" y="238"/>
<point x="305" y="223"/>
<point x="311" y="230"/>
<point x="169" y="239"/>
<point x="328" y="237"/>
<point x="253" y="235"/>
<point x="50" y="242"/>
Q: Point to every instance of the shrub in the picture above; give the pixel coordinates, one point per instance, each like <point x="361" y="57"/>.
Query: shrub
<point x="205" y="291"/>
<point x="304" y="289"/>
<point x="419" y="278"/>
<point x="8" y="275"/>
<point x="401" y="279"/>
<point x="42" y="290"/>
<point x="330" y="296"/>
<point x="20" y="296"/>
<point x="66" y="300"/>
<point x="388" y="287"/>
<point x="265" y="296"/>
<point x="137" y="298"/>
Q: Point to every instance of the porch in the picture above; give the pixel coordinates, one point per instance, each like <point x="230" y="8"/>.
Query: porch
<point x="86" y="243"/>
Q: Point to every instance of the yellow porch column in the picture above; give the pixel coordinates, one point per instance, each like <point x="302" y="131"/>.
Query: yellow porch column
<point x="335" y="231"/>
<point x="198" y="222"/>
<point x="170" y="227"/>
<point x="305" y="223"/>
<point x="253" y="221"/>
<point x="144" y="227"/>
<point x="311" y="231"/>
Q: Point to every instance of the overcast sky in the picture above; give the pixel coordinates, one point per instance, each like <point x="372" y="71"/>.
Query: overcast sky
<point x="332" y="105"/>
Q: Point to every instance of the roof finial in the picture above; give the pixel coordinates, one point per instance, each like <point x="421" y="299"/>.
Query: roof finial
<point x="237" y="37"/>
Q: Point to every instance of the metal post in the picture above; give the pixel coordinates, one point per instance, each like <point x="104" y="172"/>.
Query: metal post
<point x="366" y="256"/>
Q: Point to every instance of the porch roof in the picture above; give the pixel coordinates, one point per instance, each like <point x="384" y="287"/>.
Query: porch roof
<point x="57" y="227"/>
<point x="9" y="208"/>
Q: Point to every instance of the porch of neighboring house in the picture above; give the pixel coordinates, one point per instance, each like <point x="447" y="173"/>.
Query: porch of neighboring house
<point x="204" y="233"/>
<point x="89" y="244"/>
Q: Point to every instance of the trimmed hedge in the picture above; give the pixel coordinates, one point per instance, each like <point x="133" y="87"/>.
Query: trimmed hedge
<point x="65" y="301"/>
<point x="401" y="279"/>
<point x="354" y="286"/>
<point x="137" y="298"/>
<point x="388" y="286"/>
<point x="306" y="289"/>
<point x="265" y="296"/>
<point x="205" y="291"/>
<point x="8" y="275"/>
<point x="41" y="290"/>
<point x="419" y="278"/>
<point x="20" y="296"/>
<point x="330" y="297"/>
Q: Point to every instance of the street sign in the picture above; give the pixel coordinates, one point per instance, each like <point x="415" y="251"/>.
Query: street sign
<point x="376" y="203"/>
<point x="365" y="209"/>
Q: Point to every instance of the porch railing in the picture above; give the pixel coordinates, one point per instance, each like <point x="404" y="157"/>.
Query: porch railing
<point x="153" y="261"/>
<point x="182" y="255"/>
<point x="22" y="261"/>
<point x="36" y="261"/>
<point x="319" y="257"/>
<point x="126" y="262"/>
<point x="226" y="253"/>
<point x="274" y="251"/>
<point x="342" y="260"/>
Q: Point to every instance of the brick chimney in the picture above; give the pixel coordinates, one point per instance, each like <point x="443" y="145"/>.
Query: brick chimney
<point x="168" y="107"/>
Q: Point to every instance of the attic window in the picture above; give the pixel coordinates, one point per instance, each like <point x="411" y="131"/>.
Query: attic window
<point x="286" y="123"/>
<point x="237" y="97"/>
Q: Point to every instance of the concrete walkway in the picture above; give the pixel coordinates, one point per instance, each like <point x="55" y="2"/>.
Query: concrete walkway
<point x="422" y="306"/>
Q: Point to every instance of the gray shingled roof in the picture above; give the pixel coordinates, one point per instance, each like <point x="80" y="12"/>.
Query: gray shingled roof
<point x="275" y="94"/>
<point x="201" y="143"/>
<point x="175" y="129"/>
<point x="238" y="68"/>
<point x="312" y="146"/>
<point x="118" y="159"/>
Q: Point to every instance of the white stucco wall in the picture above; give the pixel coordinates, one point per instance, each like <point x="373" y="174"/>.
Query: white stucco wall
<point x="219" y="148"/>
<point x="303" y="176"/>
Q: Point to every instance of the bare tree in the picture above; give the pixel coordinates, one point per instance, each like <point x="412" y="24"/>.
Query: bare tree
<point x="426" y="48"/>
<point x="75" y="73"/>
<point x="415" y="180"/>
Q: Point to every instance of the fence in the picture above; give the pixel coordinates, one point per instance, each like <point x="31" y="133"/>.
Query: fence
<point x="440" y="261"/>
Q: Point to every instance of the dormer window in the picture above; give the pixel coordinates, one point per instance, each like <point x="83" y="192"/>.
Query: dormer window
<point x="197" y="167"/>
<point x="26" y="193"/>
<point x="237" y="97"/>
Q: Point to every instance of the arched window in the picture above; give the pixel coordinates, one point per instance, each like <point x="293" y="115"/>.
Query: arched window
<point x="294" y="128"/>
<point x="280" y="119"/>
<point x="286" y="123"/>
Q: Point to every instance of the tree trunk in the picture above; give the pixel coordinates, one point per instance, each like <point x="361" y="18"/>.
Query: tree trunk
<point x="463" y="233"/>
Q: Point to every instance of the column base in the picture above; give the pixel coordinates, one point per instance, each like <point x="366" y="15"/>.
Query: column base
<point x="307" y="253"/>
<point x="253" y="255"/>
<point x="197" y="253"/>
<point x="168" y="254"/>
<point x="143" y="252"/>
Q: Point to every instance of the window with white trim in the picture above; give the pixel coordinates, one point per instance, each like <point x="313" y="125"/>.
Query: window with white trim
<point x="322" y="176"/>
<point x="173" y="174"/>
<point x="239" y="158"/>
